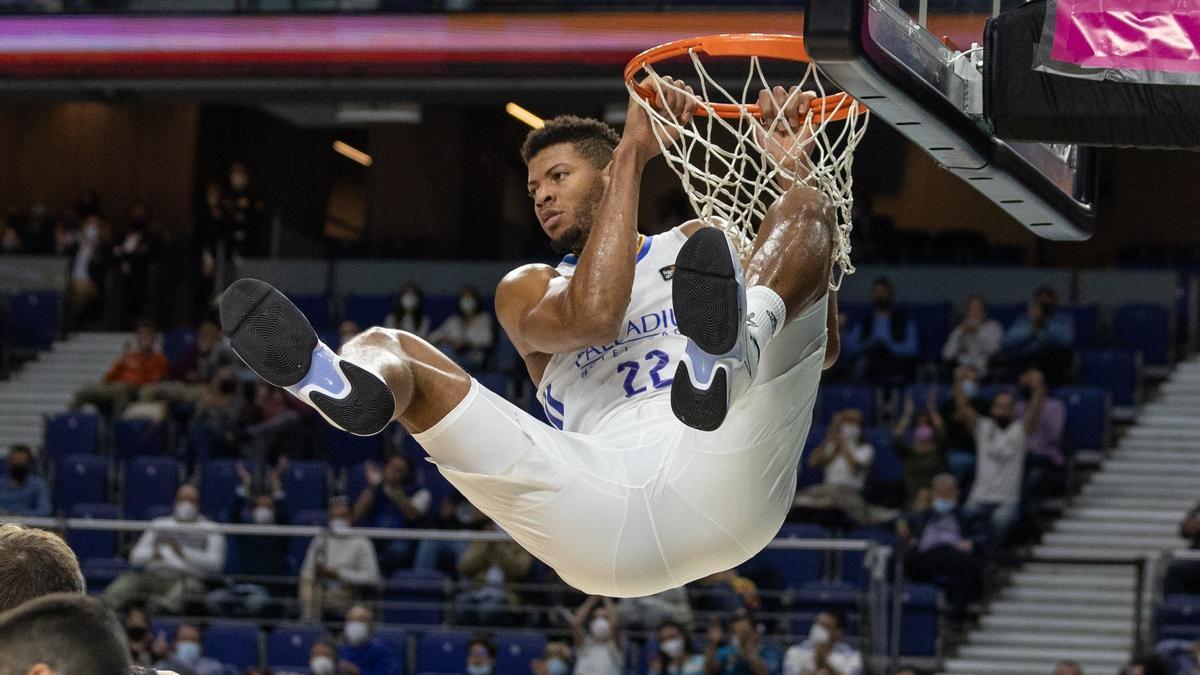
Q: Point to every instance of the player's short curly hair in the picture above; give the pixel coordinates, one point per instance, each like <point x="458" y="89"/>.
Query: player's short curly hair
<point x="593" y="139"/>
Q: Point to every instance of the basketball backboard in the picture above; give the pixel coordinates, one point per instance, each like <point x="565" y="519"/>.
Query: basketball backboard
<point x="914" y="64"/>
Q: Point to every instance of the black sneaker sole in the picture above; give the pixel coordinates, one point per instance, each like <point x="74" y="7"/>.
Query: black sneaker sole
<point x="704" y="292"/>
<point x="276" y="341"/>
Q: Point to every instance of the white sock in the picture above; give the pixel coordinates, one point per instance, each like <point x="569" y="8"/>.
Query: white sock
<point x="765" y="314"/>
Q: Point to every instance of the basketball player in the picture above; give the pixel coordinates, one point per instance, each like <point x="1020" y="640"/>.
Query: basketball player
<point x="679" y="399"/>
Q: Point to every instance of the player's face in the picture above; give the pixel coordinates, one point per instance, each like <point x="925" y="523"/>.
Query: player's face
<point x="566" y="190"/>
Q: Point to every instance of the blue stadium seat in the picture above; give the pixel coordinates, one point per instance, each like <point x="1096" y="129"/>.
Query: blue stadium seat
<point x="395" y="639"/>
<point x="515" y="650"/>
<point x="367" y="310"/>
<point x="1144" y="328"/>
<point x="1088" y="415"/>
<point x="356" y="480"/>
<point x="439" y="308"/>
<point x="100" y="572"/>
<point x="93" y="543"/>
<point x="1180" y="610"/>
<point x="835" y="397"/>
<point x="933" y="327"/>
<point x="851" y="570"/>
<point x="71" y="434"/>
<point x="234" y="644"/>
<point x="1007" y="313"/>
<point x="315" y="309"/>
<point x="1087" y="323"/>
<point x="298" y="547"/>
<point x="1115" y="370"/>
<point x="218" y="487"/>
<point x="442" y="651"/>
<point x="80" y="479"/>
<point x="887" y="467"/>
<point x="414" y="597"/>
<point x="817" y="596"/>
<point x="792" y="568"/>
<point x="149" y="482"/>
<point x="33" y="318"/>
<point x="136" y="437"/>
<point x="288" y="644"/>
<point x="176" y="343"/>
<point x="345" y="449"/>
<point x="305" y="484"/>
<point x="919" y="611"/>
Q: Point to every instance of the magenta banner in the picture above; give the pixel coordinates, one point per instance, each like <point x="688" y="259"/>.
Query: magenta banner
<point x="1149" y="35"/>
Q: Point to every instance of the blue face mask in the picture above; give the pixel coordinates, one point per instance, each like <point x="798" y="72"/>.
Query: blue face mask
<point x="556" y="667"/>
<point x="479" y="670"/>
<point x="943" y="505"/>
<point x="188" y="652"/>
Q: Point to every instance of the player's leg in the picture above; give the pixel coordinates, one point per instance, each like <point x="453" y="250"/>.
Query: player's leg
<point x="382" y="374"/>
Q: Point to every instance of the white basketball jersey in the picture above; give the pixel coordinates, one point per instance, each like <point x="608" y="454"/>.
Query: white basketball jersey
<point x="580" y="389"/>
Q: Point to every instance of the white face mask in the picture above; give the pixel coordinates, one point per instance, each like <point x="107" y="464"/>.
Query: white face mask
<point x="321" y="665"/>
<point x="356" y="632"/>
<point x="673" y="647"/>
<point x="186" y="512"/>
<point x="557" y="666"/>
<point x="409" y="301"/>
<point x="601" y="629"/>
<point x="818" y="634"/>
<point x="970" y="388"/>
<point x="339" y="525"/>
<point x="188" y="652"/>
<point x="850" y="432"/>
<point x="264" y="515"/>
<point x="467" y="305"/>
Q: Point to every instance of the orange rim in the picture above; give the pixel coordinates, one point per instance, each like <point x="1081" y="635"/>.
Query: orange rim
<point x="786" y="47"/>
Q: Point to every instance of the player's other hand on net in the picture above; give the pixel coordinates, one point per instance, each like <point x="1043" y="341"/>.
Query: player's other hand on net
<point x="673" y="100"/>
<point x="783" y="131"/>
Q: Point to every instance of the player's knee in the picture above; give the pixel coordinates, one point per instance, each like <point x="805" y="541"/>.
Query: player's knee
<point x="802" y="200"/>
<point x="373" y="337"/>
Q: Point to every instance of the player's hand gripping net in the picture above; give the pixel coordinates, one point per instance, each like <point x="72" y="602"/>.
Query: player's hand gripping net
<point x="741" y="150"/>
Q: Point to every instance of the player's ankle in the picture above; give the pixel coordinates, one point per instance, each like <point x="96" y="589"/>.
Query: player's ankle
<point x="765" y="314"/>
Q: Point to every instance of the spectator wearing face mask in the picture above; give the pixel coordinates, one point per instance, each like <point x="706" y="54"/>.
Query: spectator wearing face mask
<point x="599" y="643"/>
<point x="924" y="452"/>
<point x="369" y="654"/>
<point x="824" y="649"/>
<point x="481" y="656"/>
<point x="323" y="660"/>
<point x="172" y="559"/>
<point x="885" y="341"/>
<point x="339" y="567"/>
<point x="392" y="498"/>
<point x="1042" y="338"/>
<point x="88" y="250"/>
<point x="187" y="657"/>
<point x="960" y="440"/>
<point x="215" y="428"/>
<point x="22" y="492"/>
<point x="138" y="635"/>
<point x="675" y="654"/>
<point x="846" y="460"/>
<point x="555" y="660"/>
<point x="258" y="556"/>
<point x="195" y="369"/>
<point x="744" y="654"/>
<point x="467" y="337"/>
<point x="1045" y="464"/>
<point x="409" y="314"/>
<point x="486" y="569"/>
<point x="976" y="340"/>
<point x="141" y="363"/>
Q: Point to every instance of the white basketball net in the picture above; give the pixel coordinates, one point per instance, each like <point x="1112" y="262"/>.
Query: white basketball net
<point x="732" y="187"/>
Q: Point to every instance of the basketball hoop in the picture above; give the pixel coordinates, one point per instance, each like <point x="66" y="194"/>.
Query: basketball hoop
<point x="731" y="181"/>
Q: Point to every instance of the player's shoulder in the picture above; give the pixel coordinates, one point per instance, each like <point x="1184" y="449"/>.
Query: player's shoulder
<point x="525" y="279"/>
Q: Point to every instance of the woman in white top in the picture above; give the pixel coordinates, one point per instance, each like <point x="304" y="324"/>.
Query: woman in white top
<point x="409" y="313"/>
<point x="599" y="646"/>
<point x="675" y="654"/>
<point x="846" y="459"/>
<point x="976" y="340"/>
<point x="466" y="337"/>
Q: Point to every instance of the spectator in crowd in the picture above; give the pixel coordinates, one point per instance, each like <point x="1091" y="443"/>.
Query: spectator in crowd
<point x="135" y="251"/>
<point x="1000" y="442"/>
<point x="323" y="660"/>
<point x="369" y="654"/>
<point x="63" y="633"/>
<point x="187" y="657"/>
<point x="884" y="344"/>
<point x="824" y="649"/>
<point x="274" y="425"/>
<point x="88" y="250"/>
<point x="745" y="654"/>
<point x="975" y="340"/>
<point x="217" y="423"/>
<point x="210" y="245"/>
<point x="846" y="459"/>
<point x="555" y="659"/>
<point x="409" y="314"/>
<point x="1184" y="575"/>
<point x="485" y="570"/>
<point x="924" y="452"/>
<point x="10" y="239"/>
<point x="1041" y="339"/>
<point x="393" y="499"/>
<point x="941" y="542"/>
<point x="172" y="559"/>
<point x="1067" y="668"/>
<point x="140" y="364"/>
<point x="481" y="656"/>
<point x="22" y="492"/>
<point x="141" y="640"/>
<point x="651" y="611"/>
<point x="675" y="654"/>
<point x="467" y="336"/>
<point x="599" y="642"/>
<point x="34" y="563"/>
<point x="339" y="567"/>
<point x="960" y="440"/>
<point x="246" y="214"/>
<point x="347" y="331"/>
<point x="196" y="369"/>
<point x="1045" y="463"/>
<point x="260" y="504"/>
<point x="455" y="513"/>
